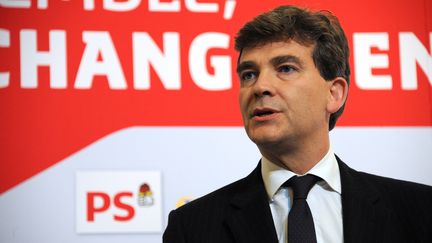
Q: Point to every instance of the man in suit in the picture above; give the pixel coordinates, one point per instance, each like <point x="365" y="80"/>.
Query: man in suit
<point x="294" y="72"/>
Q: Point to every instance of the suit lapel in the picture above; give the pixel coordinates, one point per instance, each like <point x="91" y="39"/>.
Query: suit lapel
<point x="362" y="210"/>
<point x="250" y="217"/>
<point x="364" y="214"/>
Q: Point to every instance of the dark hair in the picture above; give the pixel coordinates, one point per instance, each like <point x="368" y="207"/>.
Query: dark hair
<point x="322" y="29"/>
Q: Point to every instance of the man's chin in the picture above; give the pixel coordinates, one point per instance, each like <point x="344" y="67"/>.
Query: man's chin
<point x="265" y="140"/>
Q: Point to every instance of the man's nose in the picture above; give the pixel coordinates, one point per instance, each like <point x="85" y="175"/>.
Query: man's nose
<point x="264" y="85"/>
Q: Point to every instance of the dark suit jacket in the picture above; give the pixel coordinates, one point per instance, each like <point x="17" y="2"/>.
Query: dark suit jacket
<point x="375" y="209"/>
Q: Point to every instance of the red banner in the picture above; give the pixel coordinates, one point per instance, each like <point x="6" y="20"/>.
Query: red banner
<point x="72" y="72"/>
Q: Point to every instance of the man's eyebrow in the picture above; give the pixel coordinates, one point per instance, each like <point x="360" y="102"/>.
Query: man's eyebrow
<point x="245" y="65"/>
<point x="275" y="61"/>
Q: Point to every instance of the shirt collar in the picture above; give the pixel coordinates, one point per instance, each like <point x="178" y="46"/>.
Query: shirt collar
<point x="327" y="169"/>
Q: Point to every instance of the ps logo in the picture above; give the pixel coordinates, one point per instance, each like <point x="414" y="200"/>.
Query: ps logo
<point x="118" y="202"/>
<point x="106" y="203"/>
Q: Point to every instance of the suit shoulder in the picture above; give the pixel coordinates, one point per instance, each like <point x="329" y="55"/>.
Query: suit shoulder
<point x="385" y="185"/>
<point x="218" y="198"/>
<point x="400" y="193"/>
<point x="391" y="184"/>
<point x="204" y="219"/>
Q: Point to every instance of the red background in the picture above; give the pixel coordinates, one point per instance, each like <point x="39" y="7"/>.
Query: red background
<point x="39" y="127"/>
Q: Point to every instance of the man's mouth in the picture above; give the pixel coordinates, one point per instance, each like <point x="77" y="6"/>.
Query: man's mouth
<point x="262" y="113"/>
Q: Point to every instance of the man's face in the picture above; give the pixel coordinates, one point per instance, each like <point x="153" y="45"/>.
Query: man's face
<point x="283" y="97"/>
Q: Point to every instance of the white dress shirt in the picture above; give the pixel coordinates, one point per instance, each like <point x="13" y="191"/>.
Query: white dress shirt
<point x="324" y="199"/>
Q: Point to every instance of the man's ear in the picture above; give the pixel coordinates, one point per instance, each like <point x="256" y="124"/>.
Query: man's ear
<point x="338" y="88"/>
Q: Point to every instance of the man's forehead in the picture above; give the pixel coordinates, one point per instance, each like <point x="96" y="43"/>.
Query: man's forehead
<point x="272" y="50"/>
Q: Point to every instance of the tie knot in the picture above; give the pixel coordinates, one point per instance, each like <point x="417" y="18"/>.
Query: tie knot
<point x="301" y="185"/>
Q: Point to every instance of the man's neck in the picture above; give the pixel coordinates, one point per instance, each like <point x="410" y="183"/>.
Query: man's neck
<point x="298" y="159"/>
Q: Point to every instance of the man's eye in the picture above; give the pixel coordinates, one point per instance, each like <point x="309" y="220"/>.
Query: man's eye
<point x="286" y="69"/>
<point x="247" y="76"/>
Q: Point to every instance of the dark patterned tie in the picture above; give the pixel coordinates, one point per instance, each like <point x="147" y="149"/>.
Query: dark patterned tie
<point x="300" y="222"/>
